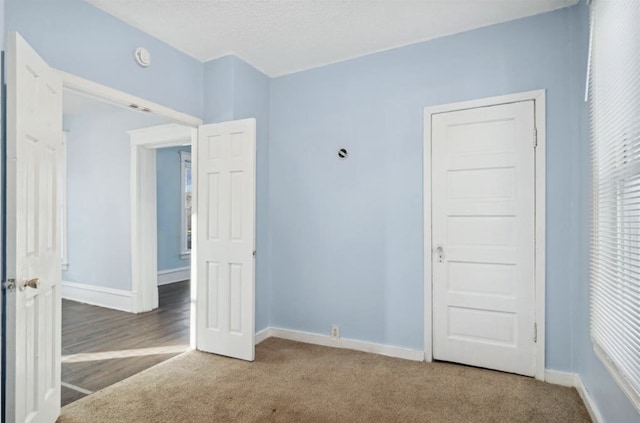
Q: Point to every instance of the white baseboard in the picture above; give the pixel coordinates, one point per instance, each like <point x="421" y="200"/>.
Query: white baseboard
<point x="100" y="296"/>
<point x="558" y="377"/>
<point x="262" y="335"/>
<point x="349" y="344"/>
<point x="174" y="275"/>
<point x="574" y="380"/>
<point x="592" y="408"/>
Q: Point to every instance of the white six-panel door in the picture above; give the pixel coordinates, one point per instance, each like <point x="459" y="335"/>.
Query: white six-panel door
<point x="483" y="204"/>
<point x="34" y="139"/>
<point x="226" y="163"/>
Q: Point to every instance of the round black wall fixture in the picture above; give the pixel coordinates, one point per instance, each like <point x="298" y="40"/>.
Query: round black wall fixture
<point x="343" y="153"/>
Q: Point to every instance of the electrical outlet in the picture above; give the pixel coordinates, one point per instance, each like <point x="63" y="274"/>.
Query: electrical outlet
<point x="335" y="331"/>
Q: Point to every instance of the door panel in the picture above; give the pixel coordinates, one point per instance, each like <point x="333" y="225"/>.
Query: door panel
<point x="226" y="238"/>
<point x="34" y="145"/>
<point x="483" y="188"/>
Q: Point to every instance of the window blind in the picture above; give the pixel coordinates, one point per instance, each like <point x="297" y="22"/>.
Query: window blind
<point x="615" y="154"/>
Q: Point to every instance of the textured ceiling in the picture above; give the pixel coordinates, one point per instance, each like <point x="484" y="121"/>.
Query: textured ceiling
<point x="284" y="36"/>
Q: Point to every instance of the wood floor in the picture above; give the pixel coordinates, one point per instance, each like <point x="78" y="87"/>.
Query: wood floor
<point x="101" y="346"/>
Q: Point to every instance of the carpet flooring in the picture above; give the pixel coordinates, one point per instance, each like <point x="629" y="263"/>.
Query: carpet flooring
<point x="295" y="382"/>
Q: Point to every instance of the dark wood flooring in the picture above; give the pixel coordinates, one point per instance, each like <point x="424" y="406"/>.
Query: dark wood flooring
<point x="101" y="346"/>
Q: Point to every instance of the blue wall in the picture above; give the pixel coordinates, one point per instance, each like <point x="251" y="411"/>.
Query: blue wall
<point x="251" y="99"/>
<point x="76" y="37"/>
<point x="236" y="90"/>
<point x="99" y="195"/>
<point x="218" y="89"/>
<point x="2" y="30"/>
<point x="3" y="13"/>
<point x="347" y="235"/>
<point x="169" y="193"/>
<point x="2" y="24"/>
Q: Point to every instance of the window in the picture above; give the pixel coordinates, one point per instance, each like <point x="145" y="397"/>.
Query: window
<point x="185" y="221"/>
<point x="615" y="225"/>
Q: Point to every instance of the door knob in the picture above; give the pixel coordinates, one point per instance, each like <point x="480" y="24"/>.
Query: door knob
<point x="31" y="283"/>
<point x="440" y="253"/>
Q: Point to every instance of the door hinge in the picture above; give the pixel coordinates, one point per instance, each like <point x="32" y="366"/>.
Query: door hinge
<point x="535" y="137"/>
<point x="535" y="333"/>
<point x="254" y="253"/>
<point x="9" y="285"/>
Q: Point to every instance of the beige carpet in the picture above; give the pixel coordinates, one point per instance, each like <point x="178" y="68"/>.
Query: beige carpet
<point x="293" y="382"/>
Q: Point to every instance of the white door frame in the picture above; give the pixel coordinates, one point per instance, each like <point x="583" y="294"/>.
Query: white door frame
<point x="144" y="206"/>
<point x="120" y="98"/>
<point x="539" y="98"/>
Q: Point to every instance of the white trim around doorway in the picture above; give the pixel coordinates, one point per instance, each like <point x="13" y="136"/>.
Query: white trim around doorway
<point x="120" y="98"/>
<point x="539" y="98"/>
<point x="144" y="243"/>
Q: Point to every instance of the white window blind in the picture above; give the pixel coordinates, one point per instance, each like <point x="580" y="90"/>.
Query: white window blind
<point x="615" y="149"/>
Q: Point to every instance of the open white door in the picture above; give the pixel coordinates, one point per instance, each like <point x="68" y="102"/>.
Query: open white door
<point x="34" y="139"/>
<point x="225" y="160"/>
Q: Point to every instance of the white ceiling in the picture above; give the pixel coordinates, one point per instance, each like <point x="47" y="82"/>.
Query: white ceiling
<point x="284" y="36"/>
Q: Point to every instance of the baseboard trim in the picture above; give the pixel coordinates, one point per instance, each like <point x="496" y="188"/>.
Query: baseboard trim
<point x="116" y="299"/>
<point x="349" y="344"/>
<point x="262" y="335"/>
<point x="558" y="377"/>
<point x="592" y="408"/>
<point x="178" y="274"/>
<point x="573" y="380"/>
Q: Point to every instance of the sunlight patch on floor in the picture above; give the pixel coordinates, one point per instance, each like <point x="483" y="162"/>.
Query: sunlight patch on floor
<point x="110" y="355"/>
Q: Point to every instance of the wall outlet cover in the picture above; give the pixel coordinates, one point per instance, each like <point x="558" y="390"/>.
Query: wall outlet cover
<point x="335" y="331"/>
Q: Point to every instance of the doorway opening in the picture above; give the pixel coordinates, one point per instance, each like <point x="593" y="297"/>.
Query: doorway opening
<point x="113" y="326"/>
<point x="162" y="197"/>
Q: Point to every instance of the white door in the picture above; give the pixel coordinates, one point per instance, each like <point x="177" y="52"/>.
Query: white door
<point x="226" y="192"/>
<point x="483" y="197"/>
<point x="34" y="140"/>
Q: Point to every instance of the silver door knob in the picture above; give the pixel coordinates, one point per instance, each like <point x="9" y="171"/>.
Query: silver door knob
<point x="440" y="253"/>
<point x="31" y="283"/>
